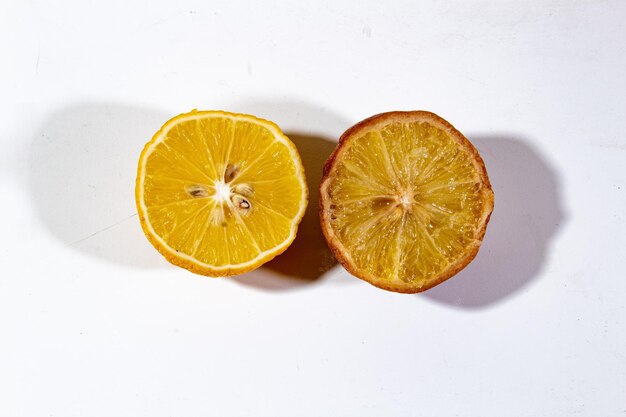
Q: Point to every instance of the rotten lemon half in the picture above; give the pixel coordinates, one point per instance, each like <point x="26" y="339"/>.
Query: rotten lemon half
<point x="220" y="193"/>
<point x="405" y="200"/>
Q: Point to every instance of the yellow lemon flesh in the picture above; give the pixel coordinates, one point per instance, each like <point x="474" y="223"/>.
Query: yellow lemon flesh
<point x="220" y="193"/>
<point x="405" y="201"/>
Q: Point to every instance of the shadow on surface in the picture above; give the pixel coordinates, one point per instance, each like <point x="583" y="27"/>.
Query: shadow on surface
<point x="82" y="168"/>
<point x="314" y="131"/>
<point x="308" y="257"/>
<point x="527" y="213"/>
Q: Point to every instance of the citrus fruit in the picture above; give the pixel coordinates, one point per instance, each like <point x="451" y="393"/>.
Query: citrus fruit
<point x="220" y="193"/>
<point x="405" y="201"/>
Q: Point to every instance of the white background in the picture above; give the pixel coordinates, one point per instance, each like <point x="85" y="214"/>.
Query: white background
<point x="93" y="322"/>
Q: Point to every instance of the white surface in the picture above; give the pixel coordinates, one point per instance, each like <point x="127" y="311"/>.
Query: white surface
<point x="95" y="323"/>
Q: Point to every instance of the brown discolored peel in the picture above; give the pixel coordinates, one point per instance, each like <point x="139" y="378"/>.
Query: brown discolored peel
<point x="403" y="201"/>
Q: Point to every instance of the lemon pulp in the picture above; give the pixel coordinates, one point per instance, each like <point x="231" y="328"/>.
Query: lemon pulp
<point x="220" y="193"/>
<point x="406" y="202"/>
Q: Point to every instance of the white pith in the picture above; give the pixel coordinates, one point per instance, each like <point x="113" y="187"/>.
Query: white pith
<point x="222" y="192"/>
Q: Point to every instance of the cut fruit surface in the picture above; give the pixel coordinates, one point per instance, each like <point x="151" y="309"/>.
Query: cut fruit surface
<point x="405" y="201"/>
<point x="220" y="193"/>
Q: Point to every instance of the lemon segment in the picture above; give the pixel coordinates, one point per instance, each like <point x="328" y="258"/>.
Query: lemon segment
<point x="220" y="193"/>
<point x="405" y="200"/>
